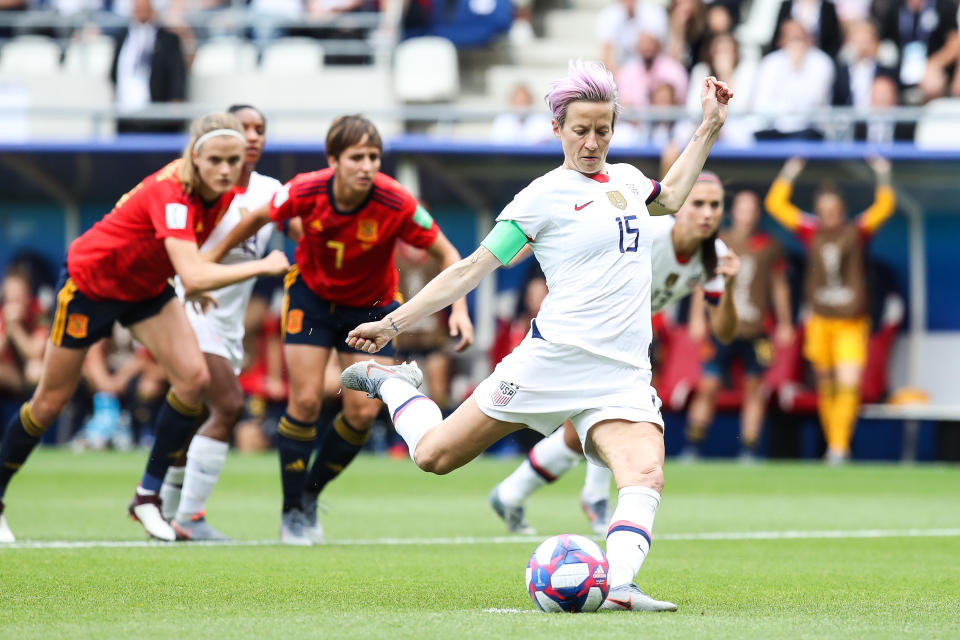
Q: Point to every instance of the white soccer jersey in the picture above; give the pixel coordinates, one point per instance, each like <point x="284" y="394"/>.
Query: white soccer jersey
<point x="674" y="279"/>
<point x="592" y="237"/>
<point x="226" y="320"/>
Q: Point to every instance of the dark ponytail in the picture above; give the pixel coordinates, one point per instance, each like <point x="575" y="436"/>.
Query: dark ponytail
<point x="708" y="256"/>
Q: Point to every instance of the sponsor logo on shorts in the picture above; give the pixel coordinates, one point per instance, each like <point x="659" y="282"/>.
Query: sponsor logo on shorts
<point x="295" y="321"/>
<point x="77" y="324"/>
<point x="504" y="393"/>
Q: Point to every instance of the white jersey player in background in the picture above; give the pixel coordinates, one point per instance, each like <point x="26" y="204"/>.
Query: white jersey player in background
<point x="586" y="356"/>
<point x="219" y="329"/>
<point x="687" y="256"/>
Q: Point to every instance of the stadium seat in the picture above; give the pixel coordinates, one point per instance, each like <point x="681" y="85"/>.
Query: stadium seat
<point x="224" y="55"/>
<point x="90" y="56"/>
<point x="937" y="128"/>
<point x="292" y="56"/>
<point x="30" y="56"/>
<point x="426" y="70"/>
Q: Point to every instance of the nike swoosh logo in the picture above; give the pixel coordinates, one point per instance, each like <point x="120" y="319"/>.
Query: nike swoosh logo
<point x="620" y="603"/>
<point x="576" y="208"/>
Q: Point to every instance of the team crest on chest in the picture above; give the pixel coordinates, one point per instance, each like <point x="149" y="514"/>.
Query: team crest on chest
<point x="504" y="393"/>
<point x="367" y="230"/>
<point x="617" y="199"/>
<point x="671" y="280"/>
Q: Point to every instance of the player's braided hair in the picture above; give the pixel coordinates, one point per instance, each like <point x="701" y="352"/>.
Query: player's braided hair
<point x="347" y="131"/>
<point x="189" y="176"/>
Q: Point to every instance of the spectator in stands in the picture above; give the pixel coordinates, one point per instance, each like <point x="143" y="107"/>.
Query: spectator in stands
<point x="837" y="332"/>
<point x="617" y="26"/>
<point x="851" y="11"/>
<point x="884" y="94"/>
<point x="522" y="124"/>
<point x="819" y="20"/>
<point x="688" y="31"/>
<point x="723" y="61"/>
<point x="148" y="67"/>
<point x="649" y="67"/>
<point x="925" y="32"/>
<point x="791" y="81"/>
<point x="859" y="67"/>
<point x="761" y="287"/>
<point x="23" y="331"/>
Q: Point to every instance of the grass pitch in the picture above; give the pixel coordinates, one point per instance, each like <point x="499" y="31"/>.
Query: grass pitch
<point x="854" y="552"/>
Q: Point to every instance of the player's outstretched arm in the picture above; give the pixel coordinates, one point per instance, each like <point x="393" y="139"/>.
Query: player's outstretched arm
<point x="197" y="274"/>
<point x="459" y="322"/>
<point x="248" y="225"/>
<point x="452" y="283"/>
<point x="676" y="185"/>
<point x="885" y="200"/>
<point x="777" y="202"/>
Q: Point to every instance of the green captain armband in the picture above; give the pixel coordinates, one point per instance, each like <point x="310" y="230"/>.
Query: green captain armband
<point x="505" y="241"/>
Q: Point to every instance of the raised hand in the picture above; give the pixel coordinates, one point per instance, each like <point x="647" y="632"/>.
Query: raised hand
<point x="714" y="98"/>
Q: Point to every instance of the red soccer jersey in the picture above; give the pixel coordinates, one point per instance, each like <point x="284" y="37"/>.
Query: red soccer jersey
<point x="346" y="257"/>
<point x="122" y="257"/>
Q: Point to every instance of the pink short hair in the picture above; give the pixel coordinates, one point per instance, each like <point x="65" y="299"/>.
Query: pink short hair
<point x="585" y="81"/>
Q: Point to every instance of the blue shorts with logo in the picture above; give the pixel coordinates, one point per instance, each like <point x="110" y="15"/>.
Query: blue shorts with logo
<point x="311" y="320"/>
<point x="78" y="321"/>
<point x="753" y="353"/>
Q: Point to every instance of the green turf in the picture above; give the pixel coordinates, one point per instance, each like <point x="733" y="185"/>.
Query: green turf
<point x="889" y="587"/>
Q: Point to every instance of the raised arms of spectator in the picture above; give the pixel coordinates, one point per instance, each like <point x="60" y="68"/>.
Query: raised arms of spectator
<point x="885" y="199"/>
<point x="778" y="202"/>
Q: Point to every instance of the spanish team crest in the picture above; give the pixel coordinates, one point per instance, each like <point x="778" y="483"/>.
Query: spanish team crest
<point x="77" y="325"/>
<point x="295" y="321"/>
<point x="504" y="393"/>
<point x="367" y="230"/>
<point x="617" y="199"/>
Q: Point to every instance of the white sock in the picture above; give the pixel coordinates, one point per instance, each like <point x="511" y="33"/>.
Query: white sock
<point x="412" y="412"/>
<point x="596" y="483"/>
<point x="170" y="492"/>
<point x="205" y="459"/>
<point x="548" y="459"/>
<point x="629" y="535"/>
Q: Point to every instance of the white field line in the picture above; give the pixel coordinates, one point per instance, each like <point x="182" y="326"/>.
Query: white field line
<point x="388" y="542"/>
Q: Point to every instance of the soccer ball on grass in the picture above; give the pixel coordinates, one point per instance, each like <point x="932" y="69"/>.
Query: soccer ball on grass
<point x="568" y="573"/>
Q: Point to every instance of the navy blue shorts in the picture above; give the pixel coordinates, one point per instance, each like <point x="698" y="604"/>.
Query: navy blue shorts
<point x="754" y="354"/>
<point x="79" y="321"/>
<point x="311" y="320"/>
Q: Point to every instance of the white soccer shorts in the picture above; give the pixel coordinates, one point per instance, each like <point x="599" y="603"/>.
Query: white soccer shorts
<point x="211" y="341"/>
<point x="541" y="384"/>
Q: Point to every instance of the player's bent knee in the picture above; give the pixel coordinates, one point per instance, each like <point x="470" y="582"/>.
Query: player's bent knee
<point x="45" y="408"/>
<point x="229" y="408"/>
<point x="304" y="407"/>
<point x="434" y="460"/>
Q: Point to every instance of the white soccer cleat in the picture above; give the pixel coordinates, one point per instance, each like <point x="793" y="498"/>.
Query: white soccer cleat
<point x="146" y="509"/>
<point x="369" y="375"/>
<point x="312" y="529"/>
<point x="5" y="534"/>
<point x="629" y="597"/>
<point x="512" y="515"/>
<point x="292" y="525"/>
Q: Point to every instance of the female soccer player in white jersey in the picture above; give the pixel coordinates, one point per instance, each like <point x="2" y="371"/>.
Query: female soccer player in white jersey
<point x="219" y="332"/>
<point x="586" y="356"/>
<point x="687" y="255"/>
